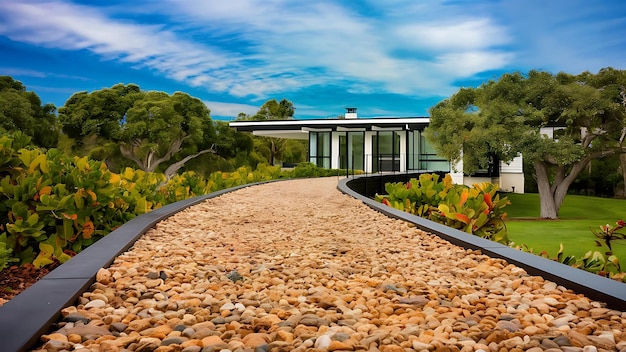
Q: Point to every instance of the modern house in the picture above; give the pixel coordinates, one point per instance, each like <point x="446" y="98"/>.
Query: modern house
<point x="378" y="145"/>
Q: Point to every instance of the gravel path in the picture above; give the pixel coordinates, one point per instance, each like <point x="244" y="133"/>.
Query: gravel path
<point x="297" y="265"/>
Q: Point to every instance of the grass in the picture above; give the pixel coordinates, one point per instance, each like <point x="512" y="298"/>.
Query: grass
<point x="577" y="215"/>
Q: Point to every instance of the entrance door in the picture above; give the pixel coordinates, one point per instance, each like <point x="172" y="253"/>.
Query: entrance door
<point x="386" y="151"/>
<point x="351" y="150"/>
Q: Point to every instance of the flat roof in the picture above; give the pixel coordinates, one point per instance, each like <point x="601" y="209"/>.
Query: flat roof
<point x="366" y="124"/>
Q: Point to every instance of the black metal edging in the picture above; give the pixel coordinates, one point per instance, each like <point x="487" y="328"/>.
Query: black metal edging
<point x="31" y="314"/>
<point x="612" y="292"/>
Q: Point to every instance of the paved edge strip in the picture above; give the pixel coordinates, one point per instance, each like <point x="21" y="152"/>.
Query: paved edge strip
<point x="599" y="288"/>
<point x="31" y="314"/>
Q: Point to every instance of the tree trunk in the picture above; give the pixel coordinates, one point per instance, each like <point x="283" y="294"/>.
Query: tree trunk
<point x="552" y="196"/>
<point x="622" y="159"/>
<point x="546" y="196"/>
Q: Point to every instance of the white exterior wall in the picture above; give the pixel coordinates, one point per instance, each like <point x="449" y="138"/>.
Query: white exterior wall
<point x="511" y="176"/>
<point x="456" y="172"/>
<point x="512" y="182"/>
<point x="334" y="150"/>
<point x="515" y="166"/>
<point x="367" y="150"/>
<point x="403" y="151"/>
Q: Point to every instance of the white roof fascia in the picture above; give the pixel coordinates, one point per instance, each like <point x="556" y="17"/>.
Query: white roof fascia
<point x="376" y="128"/>
<point x="340" y="122"/>
<point x="347" y="129"/>
<point x="310" y="129"/>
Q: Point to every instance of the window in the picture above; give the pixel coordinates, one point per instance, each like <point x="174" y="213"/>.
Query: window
<point x="428" y="158"/>
<point x="319" y="149"/>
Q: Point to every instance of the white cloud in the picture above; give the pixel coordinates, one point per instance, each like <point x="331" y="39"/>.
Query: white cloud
<point x="324" y="43"/>
<point x="74" y="27"/>
<point x="469" y="34"/>
<point x="465" y="64"/>
<point x="230" y="109"/>
<point x="315" y="43"/>
<point x="259" y="47"/>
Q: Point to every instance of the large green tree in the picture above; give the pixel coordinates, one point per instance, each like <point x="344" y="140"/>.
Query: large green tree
<point x="510" y="116"/>
<point x="154" y="130"/>
<point x="22" y="111"/>
<point x="101" y="112"/>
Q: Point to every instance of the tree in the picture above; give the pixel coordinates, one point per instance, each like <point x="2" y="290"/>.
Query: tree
<point x="22" y="111"/>
<point x="272" y="147"/>
<point x="101" y="112"/>
<point x="151" y="129"/>
<point x="273" y="110"/>
<point x="505" y="117"/>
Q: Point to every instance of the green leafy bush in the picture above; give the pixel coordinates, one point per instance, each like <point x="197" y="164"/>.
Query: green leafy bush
<point x="54" y="205"/>
<point x="477" y="210"/>
<point x="6" y="254"/>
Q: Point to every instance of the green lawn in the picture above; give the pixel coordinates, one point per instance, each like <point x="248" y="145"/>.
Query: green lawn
<point x="577" y="215"/>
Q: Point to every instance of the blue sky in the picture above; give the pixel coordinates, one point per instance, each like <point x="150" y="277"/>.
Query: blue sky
<point x="385" y="57"/>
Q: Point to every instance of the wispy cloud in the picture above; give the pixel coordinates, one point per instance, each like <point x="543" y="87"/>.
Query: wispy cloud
<point x="282" y="45"/>
<point x="67" y="26"/>
<point x="230" y="109"/>
<point x="324" y="43"/>
<point x="253" y="50"/>
<point x="15" y="71"/>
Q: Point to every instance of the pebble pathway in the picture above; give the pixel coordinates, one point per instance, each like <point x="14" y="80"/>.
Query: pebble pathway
<point x="298" y="266"/>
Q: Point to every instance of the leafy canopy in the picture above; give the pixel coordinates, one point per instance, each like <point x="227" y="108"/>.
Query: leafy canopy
<point x="559" y="123"/>
<point x="22" y="111"/>
<point x="504" y="118"/>
<point x="150" y="128"/>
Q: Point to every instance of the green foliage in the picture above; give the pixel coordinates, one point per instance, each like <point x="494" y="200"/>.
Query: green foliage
<point x="98" y="113"/>
<point x="274" y="149"/>
<point x="477" y="210"/>
<point x="6" y="254"/>
<point x="22" y="111"/>
<point x="190" y="184"/>
<point x="149" y="129"/>
<point x="54" y="205"/>
<point x="603" y="264"/>
<point x="505" y="117"/>
<point x="273" y="110"/>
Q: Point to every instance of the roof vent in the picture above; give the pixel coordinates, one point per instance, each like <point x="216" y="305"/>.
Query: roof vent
<point x="350" y="113"/>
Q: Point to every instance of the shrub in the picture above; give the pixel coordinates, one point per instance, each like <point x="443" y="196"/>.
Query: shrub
<point x="54" y="205"/>
<point x="477" y="210"/>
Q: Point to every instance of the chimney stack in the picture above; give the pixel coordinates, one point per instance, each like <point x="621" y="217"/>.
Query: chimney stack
<point x="350" y="113"/>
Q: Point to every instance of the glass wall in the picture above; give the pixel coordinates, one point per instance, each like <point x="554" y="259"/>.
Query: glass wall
<point x="386" y="151"/>
<point x="319" y="149"/>
<point x="351" y="154"/>
<point x="429" y="160"/>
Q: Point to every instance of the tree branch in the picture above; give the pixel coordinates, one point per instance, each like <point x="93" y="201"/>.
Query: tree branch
<point x="173" y="169"/>
<point x="129" y="152"/>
